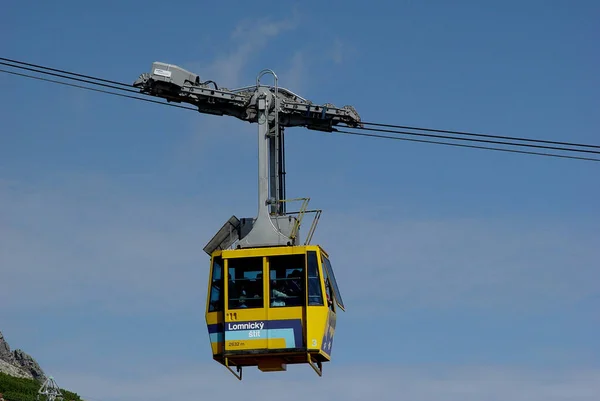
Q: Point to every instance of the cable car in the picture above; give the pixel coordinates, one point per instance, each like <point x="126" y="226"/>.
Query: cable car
<point x="273" y="306"/>
<point x="272" y="300"/>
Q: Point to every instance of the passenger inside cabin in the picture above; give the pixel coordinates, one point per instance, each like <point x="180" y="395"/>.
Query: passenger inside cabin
<point x="242" y="302"/>
<point x="295" y="283"/>
<point x="236" y="293"/>
<point x="286" y="274"/>
<point x="294" y="288"/>
<point x="328" y="292"/>
<point x="277" y="294"/>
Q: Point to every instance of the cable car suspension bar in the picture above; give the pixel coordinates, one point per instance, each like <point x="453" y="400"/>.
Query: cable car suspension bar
<point x="273" y="109"/>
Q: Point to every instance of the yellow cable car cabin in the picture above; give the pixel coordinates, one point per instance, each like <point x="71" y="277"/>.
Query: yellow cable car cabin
<point x="288" y="319"/>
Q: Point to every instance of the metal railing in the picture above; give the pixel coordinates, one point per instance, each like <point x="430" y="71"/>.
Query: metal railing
<point x="301" y="213"/>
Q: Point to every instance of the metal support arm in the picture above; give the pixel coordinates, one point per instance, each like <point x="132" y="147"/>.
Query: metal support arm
<point x="272" y="108"/>
<point x="175" y="84"/>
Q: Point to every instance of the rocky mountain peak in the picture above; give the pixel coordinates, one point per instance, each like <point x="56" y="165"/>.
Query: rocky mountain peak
<point x="18" y="363"/>
<point x="5" y="353"/>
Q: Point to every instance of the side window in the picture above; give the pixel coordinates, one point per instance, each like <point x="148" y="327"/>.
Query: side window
<point x="286" y="280"/>
<point x="335" y="288"/>
<point x="328" y="290"/>
<point x="315" y="295"/>
<point x="245" y="283"/>
<point x="216" y="287"/>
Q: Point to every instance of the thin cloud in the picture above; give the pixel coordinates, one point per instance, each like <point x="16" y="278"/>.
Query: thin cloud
<point x="247" y="42"/>
<point x="248" y="39"/>
<point x="337" y="51"/>
<point x="293" y="78"/>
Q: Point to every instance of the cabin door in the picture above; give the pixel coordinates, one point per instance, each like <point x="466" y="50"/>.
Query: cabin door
<point x="287" y="299"/>
<point x="245" y="309"/>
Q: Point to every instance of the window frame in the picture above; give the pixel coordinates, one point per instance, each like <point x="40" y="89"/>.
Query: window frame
<point x="302" y="267"/>
<point x="218" y="283"/>
<point x="312" y="256"/>
<point x="247" y="297"/>
<point x="333" y="282"/>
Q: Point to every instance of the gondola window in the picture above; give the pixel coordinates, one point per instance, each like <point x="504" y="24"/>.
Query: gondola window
<point x="315" y="295"/>
<point x="245" y="283"/>
<point x="216" y="289"/>
<point x="286" y="284"/>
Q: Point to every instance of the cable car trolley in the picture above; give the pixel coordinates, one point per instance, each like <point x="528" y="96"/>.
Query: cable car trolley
<point x="272" y="300"/>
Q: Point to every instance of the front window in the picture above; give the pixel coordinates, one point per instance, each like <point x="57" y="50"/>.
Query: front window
<point x="245" y="283"/>
<point x="315" y="295"/>
<point x="286" y="274"/>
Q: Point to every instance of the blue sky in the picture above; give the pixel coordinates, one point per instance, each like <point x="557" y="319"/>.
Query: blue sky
<point x="467" y="274"/>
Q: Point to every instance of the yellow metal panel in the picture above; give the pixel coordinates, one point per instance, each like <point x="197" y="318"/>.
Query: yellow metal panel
<point x="285" y="312"/>
<point x="277" y="343"/>
<point x="317" y="319"/>
<point x="270" y="251"/>
<point x="246" y="344"/>
<point x="212" y="318"/>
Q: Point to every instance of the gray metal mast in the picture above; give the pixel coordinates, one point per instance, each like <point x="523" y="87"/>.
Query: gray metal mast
<point x="272" y="108"/>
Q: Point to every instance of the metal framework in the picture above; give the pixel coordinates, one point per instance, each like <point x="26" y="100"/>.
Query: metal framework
<point x="272" y="108"/>
<point x="49" y="389"/>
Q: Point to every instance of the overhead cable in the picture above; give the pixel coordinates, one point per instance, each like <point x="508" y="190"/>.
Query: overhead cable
<point x="97" y="90"/>
<point x="129" y="88"/>
<point x="67" y="72"/>
<point x="480" y="135"/>
<point x="480" y="140"/>
<point x="73" y="78"/>
<point x="464" y="146"/>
